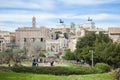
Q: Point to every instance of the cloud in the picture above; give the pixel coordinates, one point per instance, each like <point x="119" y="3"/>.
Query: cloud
<point x="105" y="25"/>
<point x="30" y="4"/>
<point x="48" y="16"/>
<point x="12" y="21"/>
<point x="28" y="17"/>
<point x="10" y="28"/>
<point x="88" y="2"/>
<point x="101" y="16"/>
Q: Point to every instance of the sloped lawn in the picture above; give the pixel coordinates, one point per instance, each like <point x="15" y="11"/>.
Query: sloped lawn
<point x="27" y="76"/>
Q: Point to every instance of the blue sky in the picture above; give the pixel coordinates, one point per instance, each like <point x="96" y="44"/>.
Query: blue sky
<point x="18" y="13"/>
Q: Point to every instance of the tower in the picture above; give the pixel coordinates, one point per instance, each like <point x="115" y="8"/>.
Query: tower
<point x="34" y="22"/>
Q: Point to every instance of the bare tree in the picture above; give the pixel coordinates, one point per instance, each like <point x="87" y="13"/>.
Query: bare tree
<point x="36" y="48"/>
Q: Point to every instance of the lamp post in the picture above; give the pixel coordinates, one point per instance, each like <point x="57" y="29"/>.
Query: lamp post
<point x="91" y="57"/>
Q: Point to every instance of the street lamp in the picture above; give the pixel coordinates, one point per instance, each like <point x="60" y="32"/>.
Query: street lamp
<point x="91" y="56"/>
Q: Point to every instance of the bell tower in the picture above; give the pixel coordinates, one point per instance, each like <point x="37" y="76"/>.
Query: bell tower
<point x="33" y="22"/>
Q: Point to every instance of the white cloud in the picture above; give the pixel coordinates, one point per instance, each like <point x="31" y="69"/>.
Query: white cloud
<point x="101" y="16"/>
<point x="48" y="16"/>
<point x="31" y="4"/>
<point x="46" y="19"/>
<point x="6" y="28"/>
<point x="28" y="17"/>
<point x="88" y="2"/>
<point x="105" y="25"/>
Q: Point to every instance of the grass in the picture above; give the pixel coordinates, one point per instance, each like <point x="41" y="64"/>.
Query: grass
<point x="27" y="76"/>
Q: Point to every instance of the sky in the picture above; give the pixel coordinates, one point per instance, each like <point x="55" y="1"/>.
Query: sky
<point x="19" y="13"/>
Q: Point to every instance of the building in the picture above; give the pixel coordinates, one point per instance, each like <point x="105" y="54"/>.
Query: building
<point x="63" y="29"/>
<point x="88" y="26"/>
<point x="52" y="47"/>
<point x="81" y="30"/>
<point x="2" y="44"/>
<point x="114" y="33"/>
<point x="56" y="46"/>
<point x="26" y="36"/>
<point x="51" y="41"/>
<point x="72" y="43"/>
<point x="33" y="38"/>
<point x="5" y="35"/>
<point x="7" y="40"/>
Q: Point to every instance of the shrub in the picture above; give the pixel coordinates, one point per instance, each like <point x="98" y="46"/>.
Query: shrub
<point x="82" y="70"/>
<point x="102" y="68"/>
<point x="117" y="74"/>
<point x="54" y="70"/>
<point x="42" y="55"/>
<point x="2" y="68"/>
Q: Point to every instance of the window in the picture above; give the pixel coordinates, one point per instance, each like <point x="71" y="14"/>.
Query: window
<point x="41" y="39"/>
<point x="25" y="40"/>
<point x="52" y="36"/>
<point x="33" y="39"/>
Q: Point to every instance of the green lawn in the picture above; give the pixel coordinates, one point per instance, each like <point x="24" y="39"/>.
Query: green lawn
<point x="27" y="76"/>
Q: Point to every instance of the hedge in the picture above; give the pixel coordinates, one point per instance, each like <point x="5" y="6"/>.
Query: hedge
<point x="102" y="68"/>
<point x="57" y="70"/>
<point x="54" y="70"/>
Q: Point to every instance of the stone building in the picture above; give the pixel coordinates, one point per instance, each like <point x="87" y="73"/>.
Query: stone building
<point x="56" y="46"/>
<point x="63" y="29"/>
<point x="26" y="36"/>
<point x="81" y="30"/>
<point x="88" y="26"/>
<point x="52" y="47"/>
<point x="5" y="35"/>
<point x="72" y="43"/>
<point x="7" y="40"/>
<point x="114" y="33"/>
<point x="33" y="38"/>
<point x="2" y="44"/>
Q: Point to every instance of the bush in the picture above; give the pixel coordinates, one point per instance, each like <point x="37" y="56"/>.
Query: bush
<point x="54" y="70"/>
<point x="2" y="68"/>
<point x="117" y="74"/>
<point x="42" y="55"/>
<point x="102" y="68"/>
<point x="83" y="70"/>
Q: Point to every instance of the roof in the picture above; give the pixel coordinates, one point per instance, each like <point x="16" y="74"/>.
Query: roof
<point x="95" y="29"/>
<point x="114" y="30"/>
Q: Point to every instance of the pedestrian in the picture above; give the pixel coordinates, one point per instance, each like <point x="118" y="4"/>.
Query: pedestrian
<point x="52" y="63"/>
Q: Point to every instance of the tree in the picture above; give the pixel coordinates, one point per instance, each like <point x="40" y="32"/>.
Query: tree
<point x="8" y="55"/>
<point x="36" y="48"/>
<point x="84" y="45"/>
<point x="15" y="55"/>
<point x="24" y="51"/>
<point x="42" y="54"/>
<point x="1" y="57"/>
<point x="68" y="55"/>
<point x="18" y="55"/>
<point x="103" y="47"/>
